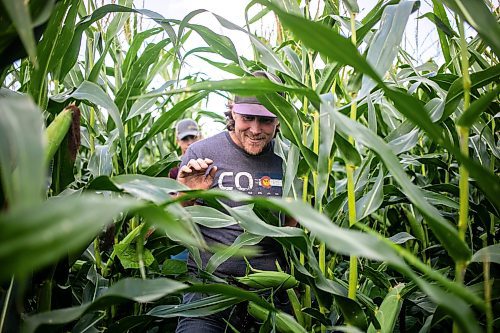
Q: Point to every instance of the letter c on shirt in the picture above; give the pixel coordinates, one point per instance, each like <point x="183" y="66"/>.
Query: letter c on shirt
<point x="221" y="179"/>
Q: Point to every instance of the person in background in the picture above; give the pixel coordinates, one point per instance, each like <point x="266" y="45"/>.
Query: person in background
<point x="239" y="159"/>
<point x="186" y="133"/>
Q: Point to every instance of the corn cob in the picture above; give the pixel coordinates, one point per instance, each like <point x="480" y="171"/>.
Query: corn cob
<point x="268" y="279"/>
<point x="56" y="131"/>
<point x="284" y="322"/>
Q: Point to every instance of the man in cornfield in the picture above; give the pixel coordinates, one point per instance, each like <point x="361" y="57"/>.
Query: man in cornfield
<point x="239" y="159"/>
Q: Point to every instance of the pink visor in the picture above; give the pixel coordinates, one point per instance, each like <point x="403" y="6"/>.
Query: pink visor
<point x="252" y="110"/>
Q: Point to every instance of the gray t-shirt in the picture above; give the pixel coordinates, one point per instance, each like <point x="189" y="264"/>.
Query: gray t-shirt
<point x="257" y="175"/>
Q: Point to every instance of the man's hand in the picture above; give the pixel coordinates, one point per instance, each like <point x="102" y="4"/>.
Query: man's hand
<point x="193" y="174"/>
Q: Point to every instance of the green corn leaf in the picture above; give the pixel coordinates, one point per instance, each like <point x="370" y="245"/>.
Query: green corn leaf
<point x="101" y="162"/>
<point x="59" y="32"/>
<point x="203" y="305"/>
<point x="480" y="17"/>
<point x="372" y="200"/>
<point x="488" y="254"/>
<point x="200" y="307"/>
<point x="145" y="105"/>
<point x="347" y="151"/>
<point x="19" y="14"/>
<point x="71" y="53"/>
<point x="174" y="220"/>
<point x="326" y="144"/>
<point x="118" y="20"/>
<point x="384" y="46"/>
<point x="22" y="146"/>
<point x="353" y="312"/>
<point x="154" y="189"/>
<point x="388" y="312"/>
<point x="229" y="67"/>
<point x="163" y="166"/>
<point x="249" y="221"/>
<point x="469" y="117"/>
<point x="174" y="267"/>
<point x="137" y="74"/>
<point x="440" y="25"/>
<point x="210" y="217"/>
<point x="372" y="18"/>
<point x="441" y="15"/>
<point x="129" y="257"/>
<point x="219" y="257"/>
<point x="94" y="74"/>
<point x="220" y="44"/>
<point x="45" y="229"/>
<point x="289" y="124"/>
<point x="284" y="321"/>
<point x="136" y="44"/>
<point x="128" y="289"/>
<point x="478" y="80"/>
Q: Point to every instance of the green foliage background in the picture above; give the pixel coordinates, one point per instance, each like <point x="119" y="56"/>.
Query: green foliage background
<point x="391" y="168"/>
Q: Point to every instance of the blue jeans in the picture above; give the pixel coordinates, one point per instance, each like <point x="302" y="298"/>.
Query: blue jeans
<point x="183" y="256"/>
<point x="237" y="315"/>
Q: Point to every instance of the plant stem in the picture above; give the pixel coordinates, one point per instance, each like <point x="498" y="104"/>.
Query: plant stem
<point x="351" y="199"/>
<point x="487" y="296"/>
<point x="351" y="202"/>
<point x="463" y="135"/>
<point x="307" y="299"/>
<point x="6" y="304"/>
<point x="97" y="254"/>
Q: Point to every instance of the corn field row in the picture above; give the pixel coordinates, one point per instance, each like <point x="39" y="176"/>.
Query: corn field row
<point x="391" y="167"/>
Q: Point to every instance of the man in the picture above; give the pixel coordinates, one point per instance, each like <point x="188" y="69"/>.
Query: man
<point x="239" y="159"/>
<point x="186" y="132"/>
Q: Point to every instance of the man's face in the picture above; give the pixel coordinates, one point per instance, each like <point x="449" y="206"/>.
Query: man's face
<point x="253" y="133"/>
<point x="186" y="141"/>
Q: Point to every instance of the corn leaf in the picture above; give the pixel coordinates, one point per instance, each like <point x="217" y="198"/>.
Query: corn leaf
<point x="128" y="289"/>
<point x="389" y="310"/>
<point x="20" y="16"/>
<point x="45" y="228"/>
<point x="59" y="32"/>
<point x="479" y="16"/>
<point x="22" y="146"/>
<point x="384" y="46"/>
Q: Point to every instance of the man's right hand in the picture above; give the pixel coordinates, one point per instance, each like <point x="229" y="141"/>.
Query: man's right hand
<point x="194" y="174"/>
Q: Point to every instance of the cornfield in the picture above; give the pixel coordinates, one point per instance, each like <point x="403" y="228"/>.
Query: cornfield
<point x="391" y="167"/>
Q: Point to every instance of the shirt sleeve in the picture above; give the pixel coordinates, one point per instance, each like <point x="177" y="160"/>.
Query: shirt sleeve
<point x="190" y="154"/>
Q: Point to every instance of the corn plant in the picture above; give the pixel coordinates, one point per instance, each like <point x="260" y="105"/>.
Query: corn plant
<point x="391" y="168"/>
